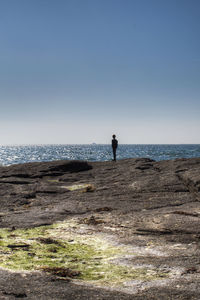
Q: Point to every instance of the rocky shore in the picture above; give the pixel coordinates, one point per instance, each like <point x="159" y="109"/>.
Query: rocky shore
<point x="101" y="230"/>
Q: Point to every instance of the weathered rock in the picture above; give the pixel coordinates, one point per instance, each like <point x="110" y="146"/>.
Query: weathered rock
<point x="41" y="169"/>
<point x="153" y="207"/>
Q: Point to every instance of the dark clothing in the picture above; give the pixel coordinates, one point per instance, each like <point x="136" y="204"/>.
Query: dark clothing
<point x="114" y="147"/>
<point x="114" y="143"/>
<point x="114" y="154"/>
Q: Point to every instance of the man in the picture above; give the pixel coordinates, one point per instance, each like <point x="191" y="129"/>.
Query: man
<point x="114" y="146"/>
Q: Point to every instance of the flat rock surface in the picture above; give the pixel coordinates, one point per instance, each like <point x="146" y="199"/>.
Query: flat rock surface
<point x="152" y="207"/>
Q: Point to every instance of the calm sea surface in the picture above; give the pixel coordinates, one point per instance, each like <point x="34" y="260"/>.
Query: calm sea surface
<point x="21" y="154"/>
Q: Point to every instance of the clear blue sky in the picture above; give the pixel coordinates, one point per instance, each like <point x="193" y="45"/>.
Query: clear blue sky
<point x="77" y="71"/>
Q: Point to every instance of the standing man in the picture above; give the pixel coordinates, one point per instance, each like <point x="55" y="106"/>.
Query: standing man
<point x="114" y="146"/>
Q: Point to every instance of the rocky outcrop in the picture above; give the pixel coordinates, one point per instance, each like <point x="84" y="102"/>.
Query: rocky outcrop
<point x="151" y="207"/>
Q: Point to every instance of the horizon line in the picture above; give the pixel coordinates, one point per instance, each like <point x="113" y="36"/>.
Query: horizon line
<point x="92" y="144"/>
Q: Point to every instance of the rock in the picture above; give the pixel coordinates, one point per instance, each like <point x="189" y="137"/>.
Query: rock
<point x="41" y="169"/>
<point x="152" y="207"/>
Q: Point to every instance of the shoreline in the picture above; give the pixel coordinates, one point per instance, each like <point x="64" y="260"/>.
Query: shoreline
<point x="22" y="154"/>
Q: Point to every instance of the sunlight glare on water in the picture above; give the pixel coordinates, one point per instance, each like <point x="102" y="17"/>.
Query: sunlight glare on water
<point x="32" y="153"/>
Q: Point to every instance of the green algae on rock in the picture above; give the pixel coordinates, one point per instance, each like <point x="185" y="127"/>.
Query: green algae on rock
<point x="58" y="246"/>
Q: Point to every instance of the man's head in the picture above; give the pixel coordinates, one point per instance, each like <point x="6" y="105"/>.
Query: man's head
<point x="114" y="136"/>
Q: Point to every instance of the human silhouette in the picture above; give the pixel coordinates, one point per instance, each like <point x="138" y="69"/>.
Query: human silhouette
<point x="114" y="146"/>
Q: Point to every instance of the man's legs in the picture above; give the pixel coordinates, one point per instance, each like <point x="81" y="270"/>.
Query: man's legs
<point x="114" y="154"/>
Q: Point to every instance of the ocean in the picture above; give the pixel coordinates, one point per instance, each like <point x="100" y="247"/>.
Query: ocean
<point x="36" y="153"/>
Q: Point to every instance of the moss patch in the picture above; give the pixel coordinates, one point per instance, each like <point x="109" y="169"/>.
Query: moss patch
<point x="59" y="249"/>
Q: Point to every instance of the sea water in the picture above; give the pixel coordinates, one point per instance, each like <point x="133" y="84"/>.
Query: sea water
<point x="94" y="152"/>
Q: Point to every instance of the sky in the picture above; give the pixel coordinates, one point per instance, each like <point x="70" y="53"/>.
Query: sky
<point x="78" y="71"/>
